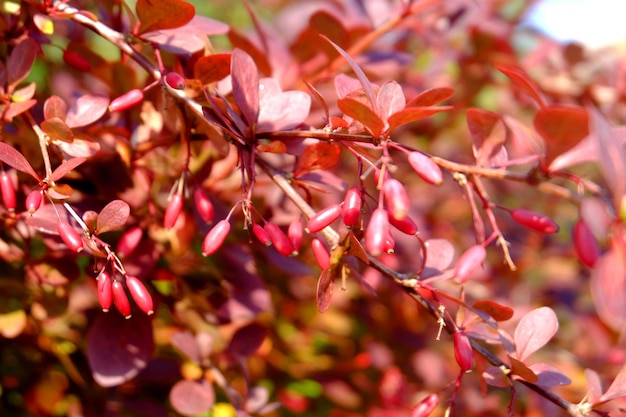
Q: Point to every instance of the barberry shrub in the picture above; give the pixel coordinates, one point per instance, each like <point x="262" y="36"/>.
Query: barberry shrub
<point x="319" y="208"/>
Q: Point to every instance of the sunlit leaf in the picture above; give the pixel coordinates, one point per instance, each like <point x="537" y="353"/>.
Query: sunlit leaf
<point x="519" y="77"/>
<point x="189" y="38"/>
<point x="594" y="386"/>
<point x="113" y="216"/>
<point x="86" y="110"/>
<point x="163" y="14"/>
<point x="562" y="127"/>
<point x="412" y="114"/>
<point x="13" y="323"/>
<point x="245" y="79"/>
<point x="54" y="106"/>
<point x="15" y="159"/>
<point x="56" y="129"/>
<point x="390" y="99"/>
<point x="534" y="330"/>
<point x="281" y="110"/>
<point x="363" y="113"/>
<point x="431" y="97"/>
<point x="14" y="109"/>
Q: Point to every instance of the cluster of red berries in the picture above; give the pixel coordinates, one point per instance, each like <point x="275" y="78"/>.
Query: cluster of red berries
<point x="112" y="290"/>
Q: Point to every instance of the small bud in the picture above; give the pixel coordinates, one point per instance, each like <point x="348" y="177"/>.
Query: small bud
<point x="323" y="218"/>
<point x="140" y="294"/>
<point x="294" y="233"/>
<point x="469" y="261"/>
<point x="463" y="352"/>
<point x="105" y="290"/>
<point x="175" y="80"/>
<point x="535" y="221"/>
<point x="261" y="234"/>
<point x="322" y="257"/>
<point x="406" y="225"/>
<point x="396" y="198"/>
<point x="216" y="237"/>
<point x="585" y="244"/>
<point x="120" y="298"/>
<point x="126" y="101"/>
<point x="70" y="236"/>
<point x="129" y="241"/>
<point x="76" y="60"/>
<point x="351" y="210"/>
<point x="426" y="406"/>
<point x="279" y="239"/>
<point x="204" y="206"/>
<point x="174" y="207"/>
<point x="33" y="201"/>
<point x="8" y="191"/>
<point x="377" y="232"/>
<point x="425" y="168"/>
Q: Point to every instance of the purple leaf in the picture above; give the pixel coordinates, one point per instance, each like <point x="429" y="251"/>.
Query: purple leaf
<point x="494" y="376"/>
<point x="608" y="286"/>
<point x="534" y="330"/>
<point x="15" y="159"/>
<point x="118" y="348"/>
<point x="186" y="343"/>
<point x="191" y="398"/>
<point x="617" y="388"/>
<point x="549" y="376"/>
<point x="325" y="286"/>
<point x="66" y="167"/>
<point x="245" y="79"/>
<point x="247" y="339"/>
<point x="187" y="39"/>
<point x="86" y="110"/>
<point x="21" y="61"/>
<point x="113" y="216"/>
<point x="281" y="110"/>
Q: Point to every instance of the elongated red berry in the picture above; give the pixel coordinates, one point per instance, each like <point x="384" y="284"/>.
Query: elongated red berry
<point x="76" y="60"/>
<point x="174" y="207"/>
<point x="105" y="290"/>
<point x="396" y="198"/>
<point x="406" y="225"/>
<point x="216" y="237"/>
<point x="261" y="234"/>
<point x="294" y="233"/>
<point x="377" y="232"/>
<point x="469" y="261"/>
<point x="322" y="256"/>
<point x="585" y="244"/>
<point x="351" y="210"/>
<point x="126" y="100"/>
<point x="323" y="218"/>
<point x="8" y="191"/>
<point x="129" y="241"/>
<point x="70" y="236"/>
<point x="279" y="239"/>
<point x="463" y="352"/>
<point x="140" y="294"/>
<point x="120" y="299"/>
<point x="426" y="406"/>
<point x="175" y="80"/>
<point x="535" y="221"/>
<point x="204" y="206"/>
<point x="33" y="201"/>
<point x="425" y="168"/>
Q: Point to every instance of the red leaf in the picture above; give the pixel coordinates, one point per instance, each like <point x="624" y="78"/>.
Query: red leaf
<point x="520" y="369"/>
<point x="495" y="310"/>
<point x="86" y="110"/>
<point x="57" y="129"/>
<point x="247" y="339"/>
<point x="114" y="360"/>
<point x="431" y="97"/>
<point x="390" y="99"/>
<point x="163" y="14"/>
<point x="488" y="135"/>
<point x="191" y="398"/>
<point x="608" y="286"/>
<point x="212" y="68"/>
<point x="20" y="62"/>
<point x="54" y="106"/>
<point x="245" y="79"/>
<point x="562" y="127"/>
<point x="16" y="108"/>
<point x="519" y="77"/>
<point x="113" y="216"/>
<point x="66" y="167"/>
<point x="534" y="330"/>
<point x="617" y="388"/>
<point x="15" y="159"/>
<point x="363" y="113"/>
<point x="325" y="286"/>
<point x="321" y="155"/>
<point x="412" y="114"/>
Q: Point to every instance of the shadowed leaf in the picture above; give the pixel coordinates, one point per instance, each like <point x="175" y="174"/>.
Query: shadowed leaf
<point x="608" y="286"/>
<point x="495" y="310"/>
<point x="318" y="156"/>
<point x="548" y="375"/>
<point x="163" y="14"/>
<point x="520" y="369"/>
<point x="617" y="388"/>
<point x="247" y="339"/>
<point x="57" y="129"/>
<point x="212" y="68"/>
<point x="519" y="77"/>
<point x="325" y="286"/>
<point x="20" y="62"/>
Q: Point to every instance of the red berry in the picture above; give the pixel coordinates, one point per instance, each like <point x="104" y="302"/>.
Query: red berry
<point x="175" y="80"/>
<point x="261" y="234"/>
<point x="463" y="352"/>
<point x="469" y="262"/>
<point x="294" y="233"/>
<point x="322" y="257"/>
<point x="279" y="239"/>
<point x="323" y="218"/>
<point x="585" y="244"/>
<point x="425" y="168"/>
<point x="140" y="294"/>
<point x="396" y="198"/>
<point x="127" y="100"/>
<point x="174" y="207"/>
<point x="426" y="406"/>
<point x="351" y="210"/>
<point x="120" y="298"/>
<point x="390" y="244"/>
<point x="377" y="232"/>
<point x="8" y="191"/>
<point x="129" y="241"/>
<point x="70" y="236"/>
<point x="216" y="237"/>
<point x="406" y="225"/>
<point x="204" y="206"/>
<point x="76" y="60"/>
<point x="536" y="221"/>
<point x="33" y="201"/>
<point x="105" y="290"/>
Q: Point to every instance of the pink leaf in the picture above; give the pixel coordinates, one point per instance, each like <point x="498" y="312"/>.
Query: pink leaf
<point x="15" y="159"/>
<point x="191" y="398"/>
<point x="54" y="106"/>
<point x="345" y="84"/>
<point x="245" y="79"/>
<point x="534" y="330"/>
<point x="66" y="167"/>
<point x="594" y="386"/>
<point x="390" y="99"/>
<point x="489" y="135"/>
<point x="113" y="216"/>
<point x="608" y="286"/>
<point x="86" y="110"/>
<point x="281" y="110"/>
<point x="617" y="388"/>
<point x="187" y="39"/>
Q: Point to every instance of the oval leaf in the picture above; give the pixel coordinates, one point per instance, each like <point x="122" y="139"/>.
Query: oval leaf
<point x="520" y="369"/>
<point x="212" y="68"/>
<point x="21" y="61"/>
<point x="489" y="135"/>
<point x="495" y="310"/>
<point x="321" y="155"/>
<point x="608" y="286"/>
<point x="15" y="159"/>
<point x="86" y="110"/>
<point x="431" y="97"/>
<point x="245" y="79"/>
<point x="191" y="398"/>
<point x="66" y="167"/>
<point x="519" y="77"/>
<point x="163" y="14"/>
<point x="562" y="127"/>
<point x="57" y="129"/>
<point x="534" y="330"/>
<point x="247" y="339"/>
<point x="412" y="114"/>
<point x="113" y="216"/>
<point x="55" y="107"/>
